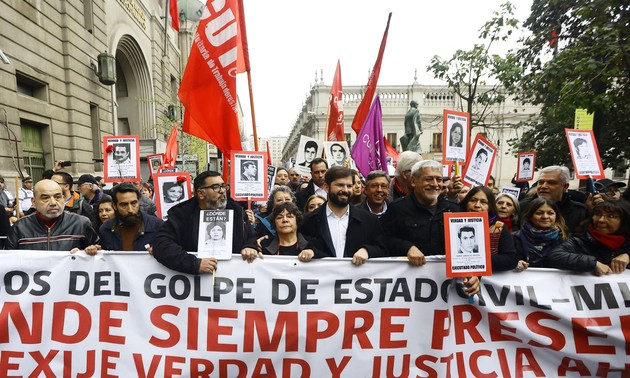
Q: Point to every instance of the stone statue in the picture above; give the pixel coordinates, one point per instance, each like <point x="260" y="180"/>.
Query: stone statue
<point x="413" y="129"/>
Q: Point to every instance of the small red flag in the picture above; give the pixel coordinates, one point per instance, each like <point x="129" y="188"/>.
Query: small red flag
<point x="334" y="130"/>
<point x="174" y="12"/>
<point x="268" y="154"/>
<point x="391" y="151"/>
<point x="208" y="89"/>
<point x="366" y="103"/>
<point x="170" y="156"/>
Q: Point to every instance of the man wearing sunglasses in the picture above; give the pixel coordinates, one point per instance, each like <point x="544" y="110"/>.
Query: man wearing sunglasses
<point x="180" y="233"/>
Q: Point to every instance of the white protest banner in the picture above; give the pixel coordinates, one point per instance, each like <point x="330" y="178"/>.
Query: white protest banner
<point x="122" y="314"/>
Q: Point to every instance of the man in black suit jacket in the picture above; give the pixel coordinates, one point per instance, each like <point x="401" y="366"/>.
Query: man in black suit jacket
<point x="315" y="186"/>
<point x="362" y="236"/>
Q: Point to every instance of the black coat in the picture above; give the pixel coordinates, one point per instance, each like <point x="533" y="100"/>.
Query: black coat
<point x="270" y="247"/>
<point x="407" y="223"/>
<point x="180" y="233"/>
<point x="582" y="252"/>
<point x="301" y="196"/>
<point x="364" y="231"/>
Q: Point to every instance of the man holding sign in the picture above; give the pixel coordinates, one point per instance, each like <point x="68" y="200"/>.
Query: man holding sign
<point x="181" y="232"/>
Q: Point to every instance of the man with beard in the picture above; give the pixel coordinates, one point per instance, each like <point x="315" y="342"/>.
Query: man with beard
<point x="181" y="232"/>
<point x="340" y="229"/>
<point x="50" y="228"/>
<point x="131" y="229"/>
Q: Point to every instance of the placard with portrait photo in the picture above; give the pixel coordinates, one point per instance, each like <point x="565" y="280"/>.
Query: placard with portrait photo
<point x="248" y="175"/>
<point x="526" y="166"/>
<point x="170" y="188"/>
<point x="337" y="154"/>
<point x="308" y="149"/>
<point x="584" y="154"/>
<point x="155" y="161"/>
<point x="467" y="243"/>
<point x="216" y="231"/>
<point x="121" y="158"/>
<point x="480" y="161"/>
<point x="511" y="190"/>
<point x="455" y="132"/>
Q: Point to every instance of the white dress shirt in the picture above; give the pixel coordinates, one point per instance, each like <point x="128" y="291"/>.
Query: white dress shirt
<point x="338" y="226"/>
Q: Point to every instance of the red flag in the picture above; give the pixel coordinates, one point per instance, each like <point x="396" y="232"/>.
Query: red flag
<point x="242" y="62"/>
<point x="554" y="38"/>
<point x="334" y="130"/>
<point x="170" y="156"/>
<point x="364" y="106"/>
<point x="174" y="14"/>
<point x="268" y="154"/>
<point x="391" y="151"/>
<point x="208" y="89"/>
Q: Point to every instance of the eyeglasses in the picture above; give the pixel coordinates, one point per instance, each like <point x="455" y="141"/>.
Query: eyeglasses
<point x="217" y="187"/>
<point x="377" y="186"/>
<point x="606" y="216"/>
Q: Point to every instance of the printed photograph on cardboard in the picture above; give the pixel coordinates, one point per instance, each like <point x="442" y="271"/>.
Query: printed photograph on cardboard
<point x="215" y="234"/>
<point x="480" y="162"/>
<point x="121" y="158"/>
<point x="249" y="175"/>
<point x="337" y="154"/>
<point x="155" y="162"/>
<point x="584" y="154"/>
<point x="526" y="166"/>
<point x="170" y="189"/>
<point x="308" y="149"/>
<point x="467" y="244"/>
<point x="455" y="136"/>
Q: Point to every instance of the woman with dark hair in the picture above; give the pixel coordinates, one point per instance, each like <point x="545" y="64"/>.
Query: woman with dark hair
<point x="104" y="211"/>
<point x="603" y="248"/>
<point x="288" y="241"/>
<point x="357" y="196"/>
<point x="313" y="202"/>
<point x="502" y="252"/>
<point x="279" y="194"/>
<point x="172" y="192"/>
<point x="542" y="231"/>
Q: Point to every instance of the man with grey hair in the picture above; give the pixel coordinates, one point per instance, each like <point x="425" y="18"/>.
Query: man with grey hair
<point x="553" y="184"/>
<point x="376" y="188"/>
<point x="401" y="184"/>
<point x="414" y="225"/>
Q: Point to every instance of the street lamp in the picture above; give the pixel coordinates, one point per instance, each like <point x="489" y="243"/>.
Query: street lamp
<point x="106" y="69"/>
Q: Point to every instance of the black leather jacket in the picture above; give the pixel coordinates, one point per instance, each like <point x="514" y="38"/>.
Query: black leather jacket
<point x="70" y="231"/>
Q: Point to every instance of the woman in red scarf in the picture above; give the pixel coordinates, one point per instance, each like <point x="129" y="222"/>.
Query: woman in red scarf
<point x="605" y="246"/>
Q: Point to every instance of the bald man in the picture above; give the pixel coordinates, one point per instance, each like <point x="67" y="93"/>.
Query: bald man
<point x="49" y="227"/>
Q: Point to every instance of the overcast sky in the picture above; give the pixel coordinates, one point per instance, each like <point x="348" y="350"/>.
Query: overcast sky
<point x="290" y="40"/>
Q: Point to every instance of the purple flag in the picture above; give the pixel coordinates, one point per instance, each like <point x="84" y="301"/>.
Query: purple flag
<point x="368" y="151"/>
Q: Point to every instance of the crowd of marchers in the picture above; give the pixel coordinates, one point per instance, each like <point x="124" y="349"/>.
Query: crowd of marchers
<point x="333" y="213"/>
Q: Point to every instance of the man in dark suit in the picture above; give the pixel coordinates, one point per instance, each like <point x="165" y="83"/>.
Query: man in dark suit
<point x="310" y="151"/>
<point x="316" y="185"/>
<point x="340" y="229"/>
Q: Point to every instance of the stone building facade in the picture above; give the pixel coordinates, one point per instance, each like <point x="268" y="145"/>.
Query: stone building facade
<point x="52" y="104"/>
<point x="501" y="120"/>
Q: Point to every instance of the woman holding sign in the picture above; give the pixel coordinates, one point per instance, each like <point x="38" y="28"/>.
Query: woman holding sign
<point x="603" y="248"/>
<point x="543" y="230"/>
<point x="502" y="252"/>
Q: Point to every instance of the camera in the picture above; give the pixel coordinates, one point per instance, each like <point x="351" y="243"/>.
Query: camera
<point x="66" y="163"/>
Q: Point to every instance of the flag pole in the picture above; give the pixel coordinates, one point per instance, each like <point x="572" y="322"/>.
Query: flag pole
<point x="248" y="70"/>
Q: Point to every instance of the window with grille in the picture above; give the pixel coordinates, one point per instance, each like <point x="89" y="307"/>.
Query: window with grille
<point x="33" y="150"/>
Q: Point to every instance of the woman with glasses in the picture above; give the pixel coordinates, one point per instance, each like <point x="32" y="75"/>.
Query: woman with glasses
<point x="603" y="247"/>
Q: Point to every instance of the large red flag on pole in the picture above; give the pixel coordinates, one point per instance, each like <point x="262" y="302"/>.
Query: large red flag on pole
<point x="174" y="14"/>
<point x="334" y="130"/>
<point x="208" y="89"/>
<point x="364" y="107"/>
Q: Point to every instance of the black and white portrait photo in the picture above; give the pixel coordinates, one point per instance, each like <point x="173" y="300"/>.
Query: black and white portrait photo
<point x="467" y="243"/>
<point x="121" y="158"/>
<point x="249" y="170"/>
<point x="215" y="234"/>
<point x="526" y="164"/>
<point x="171" y="188"/>
<point x="467" y="240"/>
<point x="337" y="154"/>
<point x="584" y="153"/>
<point x="308" y="149"/>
